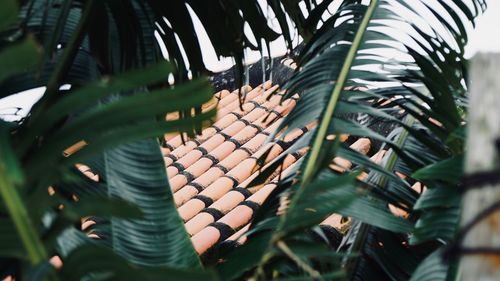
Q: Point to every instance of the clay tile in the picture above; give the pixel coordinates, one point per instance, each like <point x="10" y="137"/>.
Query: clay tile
<point x="232" y="96"/>
<point x="244" y="169"/>
<point x="199" y="222"/>
<point x="334" y="220"/>
<point x="190" y="209"/>
<point x="177" y="182"/>
<point x="218" y="188"/>
<point x="184" y="194"/>
<point x="210" y="173"/>
<point x="228" y="201"/>
<point x="222" y="94"/>
<point x="249" y="96"/>
<point x="182" y="150"/>
<point x="234" y="158"/>
<point x="239" y="235"/>
<point x="198" y="168"/>
<point x="238" y="217"/>
<point x="362" y="145"/>
<point x="205" y="239"/>
<point x="209" y="176"/>
<point x="172" y="171"/>
<point x="339" y="164"/>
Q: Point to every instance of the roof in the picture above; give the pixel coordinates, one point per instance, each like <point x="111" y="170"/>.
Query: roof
<point x="209" y="175"/>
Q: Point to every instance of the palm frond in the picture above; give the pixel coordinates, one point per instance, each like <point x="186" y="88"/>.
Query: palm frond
<point x="136" y="172"/>
<point x="411" y="105"/>
<point x="422" y="85"/>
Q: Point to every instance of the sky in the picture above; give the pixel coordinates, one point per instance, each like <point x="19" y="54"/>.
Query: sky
<point x="482" y="38"/>
<point x="485" y="38"/>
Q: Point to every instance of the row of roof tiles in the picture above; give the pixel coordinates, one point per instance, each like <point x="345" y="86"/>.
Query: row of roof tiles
<point x="209" y="175"/>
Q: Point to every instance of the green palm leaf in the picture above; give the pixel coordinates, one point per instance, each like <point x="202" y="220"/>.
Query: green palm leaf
<point x="335" y="58"/>
<point x="88" y="40"/>
<point x="136" y="172"/>
<point x="432" y="268"/>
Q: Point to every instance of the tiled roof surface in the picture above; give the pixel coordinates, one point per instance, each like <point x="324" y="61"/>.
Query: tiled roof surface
<point x="209" y="174"/>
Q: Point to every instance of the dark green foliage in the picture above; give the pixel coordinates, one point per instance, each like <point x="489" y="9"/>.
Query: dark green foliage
<point x="108" y="53"/>
<point x="136" y="172"/>
<point x="428" y="86"/>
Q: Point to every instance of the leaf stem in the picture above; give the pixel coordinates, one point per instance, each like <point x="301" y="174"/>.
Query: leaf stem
<point x="65" y="61"/>
<point x="315" y="275"/>
<point x="56" y="33"/>
<point x="339" y="86"/>
<point x="322" y="129"/>
<point x="18" y="212"/>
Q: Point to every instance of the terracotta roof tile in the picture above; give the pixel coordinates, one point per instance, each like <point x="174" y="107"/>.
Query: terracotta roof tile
<point x="229" y="104"/>
<point x="241" y="214"/>
<point x="210" y="174"/>
<point x="334" y="220"/>
<point x="234" y="197"/>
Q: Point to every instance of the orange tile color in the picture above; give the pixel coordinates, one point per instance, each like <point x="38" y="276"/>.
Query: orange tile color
<point x="204" y="171"/>
<point x="260" y="91"/>
<point x="242" y="214"/>
<point x="376" y="158"/>
<point x="232" y="96"/>
<point x="218" y="101"/>
<point x="400" y="212"/>
<point x="239" y="236"/>
<point x="222" y="185"/>
<point x="228" y="119"/>
<point x="236" y="218"/>
<point x="333" y="220"/>
<point x="198" y="222"/>
<point x="74" y="148"/>
<point x="231" y="199"/>
<point x="233" y="128"/>
<point x="205" y="239"/>
<point x="178" y="182"/>
<point x="239" y="216"/>
<point x="340" y="164"/>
